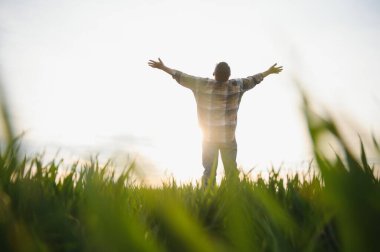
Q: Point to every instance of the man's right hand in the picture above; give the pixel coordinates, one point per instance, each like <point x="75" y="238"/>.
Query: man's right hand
<point x="272" y="70"/>
<point x="156" y="64"/>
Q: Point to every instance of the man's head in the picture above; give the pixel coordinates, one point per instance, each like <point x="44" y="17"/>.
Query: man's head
<point x="222" y="71"/>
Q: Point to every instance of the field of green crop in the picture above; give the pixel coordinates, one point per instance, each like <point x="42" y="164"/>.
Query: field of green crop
<point x="91" y="209"/>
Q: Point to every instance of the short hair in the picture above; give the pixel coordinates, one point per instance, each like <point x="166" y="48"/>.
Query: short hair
<point x="222" y="71"/>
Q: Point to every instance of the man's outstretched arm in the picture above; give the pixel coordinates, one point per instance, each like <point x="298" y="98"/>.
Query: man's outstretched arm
<point x="185" y="80"/>
<point x="252" y="81"/>
<point x="272" y="70"/>
<point x="160" y="65"/>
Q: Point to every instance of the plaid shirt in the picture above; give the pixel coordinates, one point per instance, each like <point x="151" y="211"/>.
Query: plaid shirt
<point x="217" y="103"/>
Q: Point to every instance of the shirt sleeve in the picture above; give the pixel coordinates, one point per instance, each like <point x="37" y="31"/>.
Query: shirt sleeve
<point x="252" y="81"/>
<point x="188" y="81"/>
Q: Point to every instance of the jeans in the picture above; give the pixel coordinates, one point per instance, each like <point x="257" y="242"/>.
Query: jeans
<point x="210" y="154"/>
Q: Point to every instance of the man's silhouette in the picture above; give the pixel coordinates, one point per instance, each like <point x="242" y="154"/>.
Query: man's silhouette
<point x="218" y="102"/>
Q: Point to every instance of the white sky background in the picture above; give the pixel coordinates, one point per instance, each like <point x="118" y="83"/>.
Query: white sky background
<point x="77" y="78"/>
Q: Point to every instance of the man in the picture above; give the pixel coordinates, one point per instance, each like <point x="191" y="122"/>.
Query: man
<point x="218" y="102"/>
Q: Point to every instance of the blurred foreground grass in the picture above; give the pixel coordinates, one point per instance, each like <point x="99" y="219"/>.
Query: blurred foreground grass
<point x="91" y="209"/>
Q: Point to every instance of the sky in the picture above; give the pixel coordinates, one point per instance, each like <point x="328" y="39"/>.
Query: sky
<point x="78" y="84"/>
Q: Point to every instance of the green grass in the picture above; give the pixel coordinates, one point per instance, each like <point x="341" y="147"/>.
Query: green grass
<point x="91" y="209"/>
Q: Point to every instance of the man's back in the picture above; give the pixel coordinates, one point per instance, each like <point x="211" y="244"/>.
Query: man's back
<point x="218" y="103"/>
